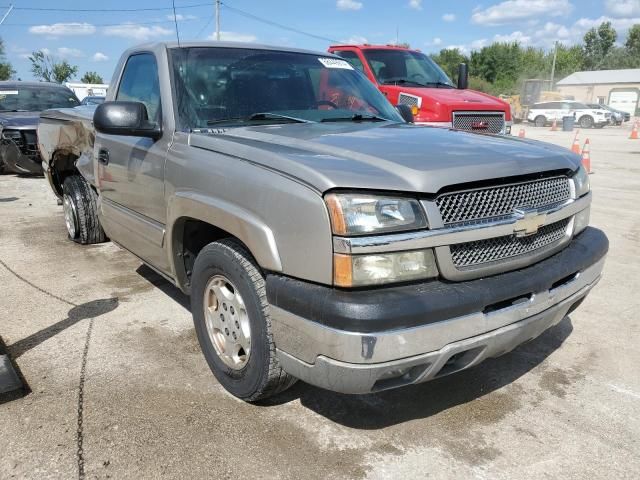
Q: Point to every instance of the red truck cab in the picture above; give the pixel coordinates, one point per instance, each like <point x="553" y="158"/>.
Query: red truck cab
<point x="410" y="77"/>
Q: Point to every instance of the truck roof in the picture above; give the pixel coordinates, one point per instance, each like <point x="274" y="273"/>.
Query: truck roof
<point x="254" y="46"/>
<point x="20" y="83"/>
<point x="366" y="46"/>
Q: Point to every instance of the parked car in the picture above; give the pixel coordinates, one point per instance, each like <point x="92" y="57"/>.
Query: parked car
<point x="617" y="116"/>
<point x="409" y="77"/>
<point x="92" y="100"/>
<point x="321" y="238"/>
<point x="20" y="107"/>
<point x="545" y="113"/>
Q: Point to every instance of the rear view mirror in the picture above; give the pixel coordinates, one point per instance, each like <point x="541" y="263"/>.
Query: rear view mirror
<point x="405" y="112"/>
<point x="463" y="76"/>
<point x="125" y="118"/>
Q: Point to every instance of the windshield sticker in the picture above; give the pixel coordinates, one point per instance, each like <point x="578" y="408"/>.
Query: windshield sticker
<point x="8" y="92"/>
<point x="335" y="63"/>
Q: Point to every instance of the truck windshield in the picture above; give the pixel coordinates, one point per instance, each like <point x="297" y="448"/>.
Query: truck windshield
<point x="406" y="67"/>
<point x="35" y="99"/>
<point x="236" y="87"/>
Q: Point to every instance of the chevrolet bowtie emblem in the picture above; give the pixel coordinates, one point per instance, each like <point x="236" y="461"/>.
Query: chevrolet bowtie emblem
<point x="528" y="221"/>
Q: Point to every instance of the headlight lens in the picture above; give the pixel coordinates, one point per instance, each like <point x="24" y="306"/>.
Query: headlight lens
<point x="581" y="182"/>
<point x="379" y="268"/>
<point x="357" y="214"/>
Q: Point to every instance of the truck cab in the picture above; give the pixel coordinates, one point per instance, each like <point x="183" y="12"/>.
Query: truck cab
<point x="411" y="78"/>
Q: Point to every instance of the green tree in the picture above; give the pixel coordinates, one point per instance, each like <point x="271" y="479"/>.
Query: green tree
<point x="46" y="68"/>
<point x="568" y="60"/>
<point x="633" y="40"/>
<point x="6" y="70"/>
<point x="91" y="77"/>
<point x="598" y="42"/>
<point x="499" y="64"/>
<point x="449" y="59"/>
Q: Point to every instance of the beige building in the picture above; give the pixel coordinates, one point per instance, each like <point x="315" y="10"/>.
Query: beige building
<point x="619" y="89"/>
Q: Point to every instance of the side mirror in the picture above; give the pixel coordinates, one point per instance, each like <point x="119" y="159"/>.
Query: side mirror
<point x="463" y="76"/>
<point x="405" y="112"/>
<point x="125" y="118"/>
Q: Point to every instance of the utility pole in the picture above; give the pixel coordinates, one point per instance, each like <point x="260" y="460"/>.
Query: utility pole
<point x="218" y="20"/>
<point x="553" y="66"/>
<point x="6" y="14"/>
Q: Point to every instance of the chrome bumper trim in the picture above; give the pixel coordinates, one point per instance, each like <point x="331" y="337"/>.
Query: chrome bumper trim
<point x="307" y="340"/>
<point x="446" y="236"/>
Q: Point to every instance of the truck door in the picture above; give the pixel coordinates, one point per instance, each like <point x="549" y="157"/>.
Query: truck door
<point x="131" y="169"/>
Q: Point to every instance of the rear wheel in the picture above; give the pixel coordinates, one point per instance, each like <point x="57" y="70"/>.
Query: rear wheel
<point x="232" y="322"/>
<point x="540" y="121"/>
<point x="586" y="121"/>
<point x="79" y="203"/>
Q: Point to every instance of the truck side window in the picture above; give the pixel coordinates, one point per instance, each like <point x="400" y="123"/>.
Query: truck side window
<point x="352" y="58"/>
<point x="140" y="83"/>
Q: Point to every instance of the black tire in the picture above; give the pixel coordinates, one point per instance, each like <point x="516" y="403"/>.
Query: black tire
<point x="586" y="121"/>
<point x="80" y="202"/>
<point x="262" y="376"/>
<point x="540" y="121"/>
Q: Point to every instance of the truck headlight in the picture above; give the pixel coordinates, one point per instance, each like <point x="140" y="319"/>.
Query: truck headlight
<point x="581" y="182"/>
<point x="358" y="214"/>
<point x="382" y="268"/>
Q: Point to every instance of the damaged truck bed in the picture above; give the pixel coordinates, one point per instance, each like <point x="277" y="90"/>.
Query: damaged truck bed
<point x="65" y="138"/>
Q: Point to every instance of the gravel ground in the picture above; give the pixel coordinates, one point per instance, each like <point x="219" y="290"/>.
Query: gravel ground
<point x="118" y="387"/>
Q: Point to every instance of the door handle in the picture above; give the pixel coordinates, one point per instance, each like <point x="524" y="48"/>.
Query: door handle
<point x="103" y="156"/>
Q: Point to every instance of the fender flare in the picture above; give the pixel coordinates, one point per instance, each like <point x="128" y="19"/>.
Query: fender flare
<point x="241" y="223"/>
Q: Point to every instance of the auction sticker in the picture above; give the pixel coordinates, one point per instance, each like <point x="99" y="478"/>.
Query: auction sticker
<point x="335" y="63"/>
<point x="8" y="92"/>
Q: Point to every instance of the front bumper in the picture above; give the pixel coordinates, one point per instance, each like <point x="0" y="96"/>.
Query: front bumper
<point x="365" y="341"/>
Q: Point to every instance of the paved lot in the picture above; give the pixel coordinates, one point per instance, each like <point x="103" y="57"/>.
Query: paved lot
<point x="99" y="337"/>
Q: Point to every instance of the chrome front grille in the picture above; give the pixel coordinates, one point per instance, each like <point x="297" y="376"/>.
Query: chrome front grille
<point x="494" y="202"/>
<point x="408" y="99"/>
<point x="475" y="253"/>
<point x="479" y="122"/>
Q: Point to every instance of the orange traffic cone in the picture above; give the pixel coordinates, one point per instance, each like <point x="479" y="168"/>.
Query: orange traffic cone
<point x="521" y="133"/>
<point x="634" y="132"/>
<point x="586" y="156"/>
<point x="575" y="148"/>
<point x="554" y="126"/>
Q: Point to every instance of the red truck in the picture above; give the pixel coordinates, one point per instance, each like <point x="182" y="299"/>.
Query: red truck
<point x="411" y="78"/>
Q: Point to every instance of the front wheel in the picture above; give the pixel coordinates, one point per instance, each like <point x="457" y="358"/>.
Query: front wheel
<point x="540" y="121"/>
<point x="79" y="203"/>
<point x="586" y="121"/>
<point x="232" y="322"/>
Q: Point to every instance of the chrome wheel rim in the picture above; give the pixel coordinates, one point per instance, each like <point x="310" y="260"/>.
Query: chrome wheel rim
<point x="70" y="216"/>
<point x="227" y="322"/>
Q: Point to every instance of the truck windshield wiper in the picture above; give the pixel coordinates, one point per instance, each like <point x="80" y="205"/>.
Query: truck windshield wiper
<point x="358" y="117"/>
<point x="259" y="116"/>
<point x="402" y="81"/>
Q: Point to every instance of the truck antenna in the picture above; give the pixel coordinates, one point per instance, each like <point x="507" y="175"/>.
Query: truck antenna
<point x="175" y="20"/>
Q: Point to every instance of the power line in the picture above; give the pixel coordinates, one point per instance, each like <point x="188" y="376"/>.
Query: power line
<point x="175" y="20"/>
<point x="81" y="24"/>
<point x="204" y="26"/>
<point x="275" y="24"/>
<point x="39" y="9"/>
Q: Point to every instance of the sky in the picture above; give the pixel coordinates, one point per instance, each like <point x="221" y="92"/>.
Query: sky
<point x="94" y="40"/>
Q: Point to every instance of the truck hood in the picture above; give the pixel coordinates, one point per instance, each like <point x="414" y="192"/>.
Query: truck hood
<point x="384" y="156"/>
<point x="19" y="119"/>
<point x="456" y="99"/>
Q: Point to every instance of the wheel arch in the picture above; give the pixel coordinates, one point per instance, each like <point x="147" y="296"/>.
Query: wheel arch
<point x="195" y="220"/>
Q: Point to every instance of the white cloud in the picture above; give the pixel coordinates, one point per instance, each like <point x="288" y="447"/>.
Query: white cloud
<point x="434" y="42"/>
<point x="355" y="40"/>
<point x="234" y="37"/>
<point x="181" y="18"/>
<point x="623" y="8"/>
<point x="58" y="29"/>
<point x="415" y="4"/>
<point x="137" y="32"/>
<point x="518" y="10"/>
<point x="66" y="52"/>
<point x="99" y="57"/>
<point x="449" y="17"/>
<point x="348" y="5"/>
<point x="517" y="36"/>
<point x="461" y="48"/>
